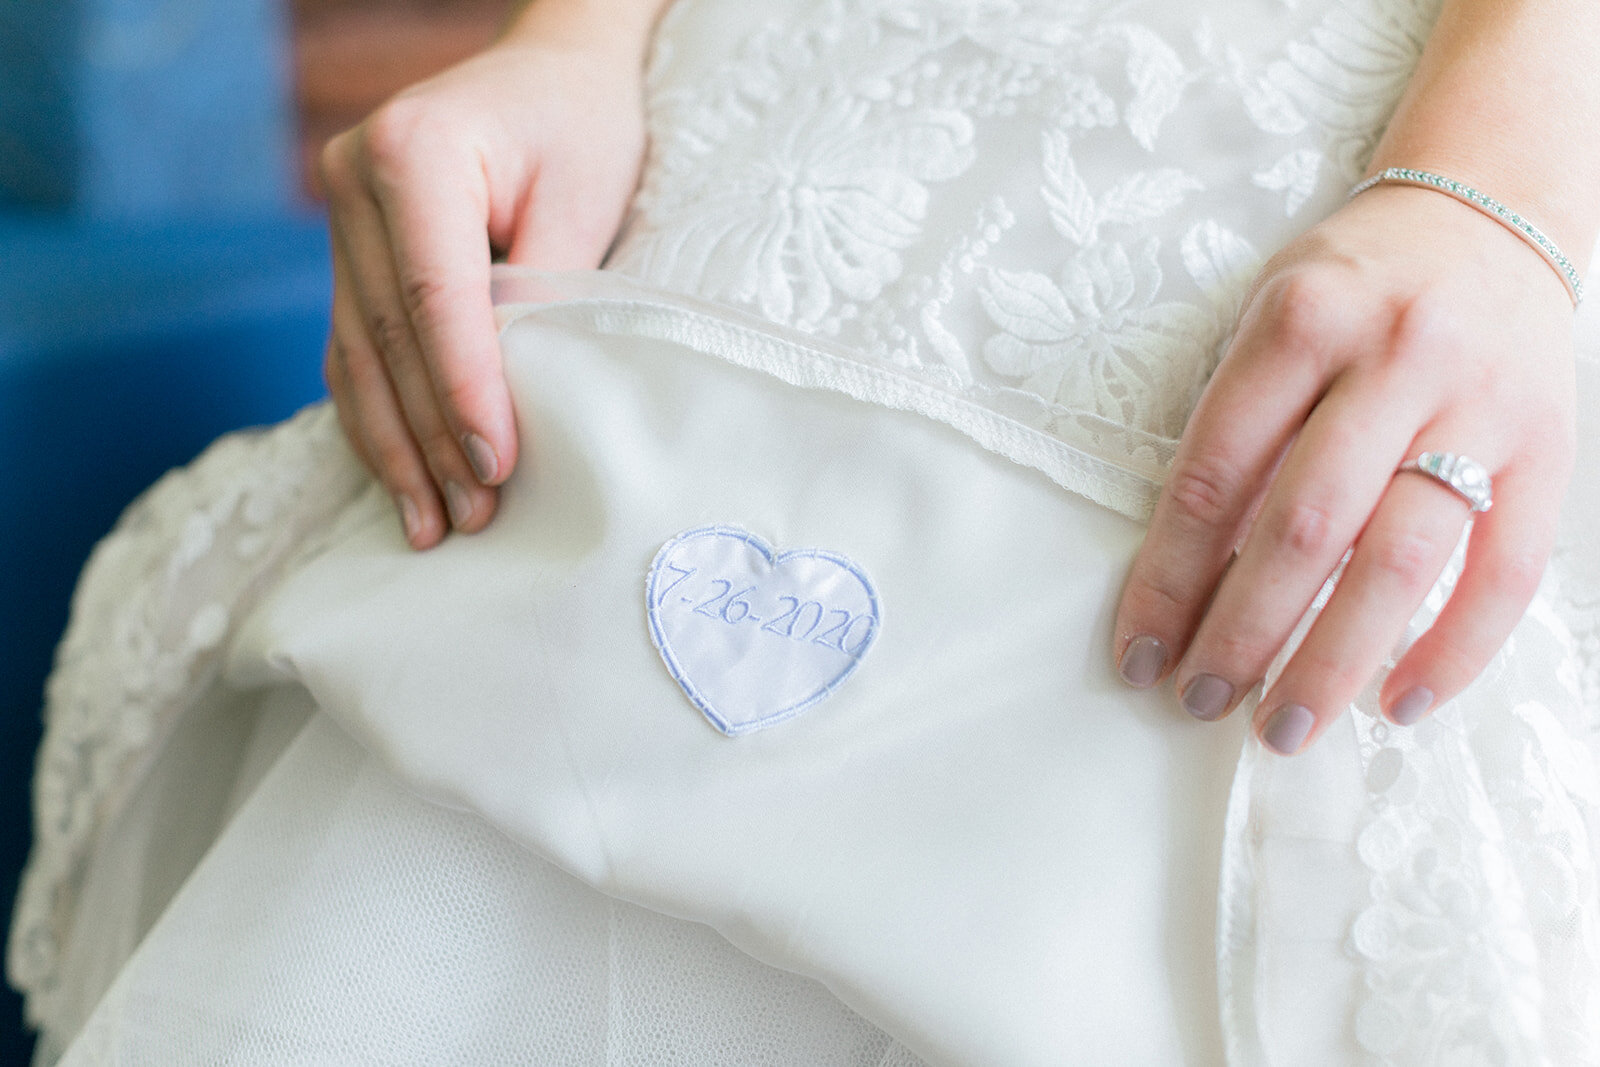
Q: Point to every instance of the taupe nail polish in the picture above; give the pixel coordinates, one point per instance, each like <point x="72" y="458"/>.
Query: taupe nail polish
<point x="1412" y="705"/>
<point x="1143" y="661"/>
<point x="485" y="464"/>
<point x="410" y="517"/>
<point x="458" y="503"/>
<point x="1207" y="697"/>
<point x="1288" y="729"/>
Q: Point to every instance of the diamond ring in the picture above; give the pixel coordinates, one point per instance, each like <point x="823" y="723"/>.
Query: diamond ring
<point x="1462" y="475"/>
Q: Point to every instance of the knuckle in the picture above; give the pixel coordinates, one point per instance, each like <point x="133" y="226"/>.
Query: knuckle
<point x="390" y="334"/>
<point x="423" y="292"/>
<point x="1203" y="491"/>
<point x="398" y="136"/>
<point x="1302" y="309"/>
<point x="1515" y="573"/>
<point x="462" y="395"/>
<point x="359" y="366"/>
<point x="335" y="168"/>
<point x="395" y="459"/>
<point x="1303" y="529"/>
<point x="441" y="449"/>
<point x="1454" y="661"/>
<point x="1240" y="654"/>
<point x="389" y="133"/>
<point x="1326" y="671"/>
<point x="1425" y="333"/>
<point x="1411" y="560"/>
<point x="1156" y="593"/>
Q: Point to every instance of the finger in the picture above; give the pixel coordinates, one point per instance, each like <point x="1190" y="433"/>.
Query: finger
<point x="1505" y="562"/>
<point x="363" y="246"/>
<point x="1325" y="492"/>
<point x="1256" y="401"/>
<point x="371" y="414"/>
<point x="338" y="382"/>
<point x="370" y="408"/>
<point x="558" y="228"/>
<point x="338" y="378"/>
<point x="1396" y="561"/>
<point x="437" y="224"/>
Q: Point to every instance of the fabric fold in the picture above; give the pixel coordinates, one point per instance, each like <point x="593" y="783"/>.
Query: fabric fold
<point x="983" y="841"/>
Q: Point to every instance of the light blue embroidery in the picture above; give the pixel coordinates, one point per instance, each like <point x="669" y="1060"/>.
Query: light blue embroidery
<point x="754" y="636"/>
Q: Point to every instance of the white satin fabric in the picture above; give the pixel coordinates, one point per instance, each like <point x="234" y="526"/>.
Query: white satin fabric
<point x="982" y="840"/>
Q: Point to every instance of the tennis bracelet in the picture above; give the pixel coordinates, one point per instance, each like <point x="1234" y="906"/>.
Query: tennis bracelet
<point x="1490" y="207"/>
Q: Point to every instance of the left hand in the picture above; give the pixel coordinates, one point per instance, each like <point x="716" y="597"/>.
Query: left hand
<point x="1406" y="322"/>
<point x="530" y="148"/>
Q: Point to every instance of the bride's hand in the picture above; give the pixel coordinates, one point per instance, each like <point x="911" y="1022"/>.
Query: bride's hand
<point x="530" y="150"/>
<point x="1407" y="322"/>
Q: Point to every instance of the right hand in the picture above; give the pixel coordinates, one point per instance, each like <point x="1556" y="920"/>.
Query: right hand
<point x="530" y="150"/>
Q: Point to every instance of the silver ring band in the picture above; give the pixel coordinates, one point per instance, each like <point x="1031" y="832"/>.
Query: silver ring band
<point x="1465" y="477"/>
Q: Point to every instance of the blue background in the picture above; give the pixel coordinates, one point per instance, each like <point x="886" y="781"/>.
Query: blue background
<point x="159" y="285"/>
<point x="123" y="352"/>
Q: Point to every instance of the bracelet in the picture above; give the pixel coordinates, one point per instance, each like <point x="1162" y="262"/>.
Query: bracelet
<point x="1490" y="207"/>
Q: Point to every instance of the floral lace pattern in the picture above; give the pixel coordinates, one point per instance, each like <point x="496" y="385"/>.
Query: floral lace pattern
<point x="151" y="617"/>
<point x="1011" y="199"/>
<point x="1466" y="868"/>
<point x="1480" y="937"/>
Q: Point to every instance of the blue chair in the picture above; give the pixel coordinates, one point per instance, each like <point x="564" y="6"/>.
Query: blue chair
<point x="124" y="350"/>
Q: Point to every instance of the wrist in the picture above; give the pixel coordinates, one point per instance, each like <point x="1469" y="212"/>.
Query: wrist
<point x="1486" y="108"/>
<point x="1513" y="221"/>
<point x="1544" y="196"/>
<point x="1436" y="244"/>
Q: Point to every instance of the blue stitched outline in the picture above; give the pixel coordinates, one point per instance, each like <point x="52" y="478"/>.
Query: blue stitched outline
<point x="774" y="559"/>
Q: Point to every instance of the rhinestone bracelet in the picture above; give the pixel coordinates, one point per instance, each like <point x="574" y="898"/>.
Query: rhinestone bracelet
<point x="1490" y="207"/>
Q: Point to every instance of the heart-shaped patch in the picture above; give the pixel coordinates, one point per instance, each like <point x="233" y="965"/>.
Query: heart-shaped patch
<point x="755" y="636"/>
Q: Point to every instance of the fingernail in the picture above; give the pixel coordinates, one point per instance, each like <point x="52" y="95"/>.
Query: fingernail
<point x="1143" y="661"/>
<point x="458" y="503"/>
<point x="410" y="517"/>
<point x="1207" y="697"/>
<point x="1412" y="706"/>
<point x="485" y="464"/>
<point x="1288" y="729"/>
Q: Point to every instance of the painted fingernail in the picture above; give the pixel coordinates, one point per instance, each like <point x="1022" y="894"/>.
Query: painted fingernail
<point x="1288" y="729"/>
<point x="1143" y="661"/>
<point x="485" y="464"/>
<point x="410" y="517"/>
<point x="1206" y="697"/>
<point x="1412" y="706"/>
<point x="459" y="504"/>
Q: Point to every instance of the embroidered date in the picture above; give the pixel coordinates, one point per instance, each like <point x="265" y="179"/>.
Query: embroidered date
<point x="804" y="621"/>
<point x="753" y="635"/>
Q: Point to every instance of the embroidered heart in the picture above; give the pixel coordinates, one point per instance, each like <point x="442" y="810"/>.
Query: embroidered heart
<point x="755" y="637"/>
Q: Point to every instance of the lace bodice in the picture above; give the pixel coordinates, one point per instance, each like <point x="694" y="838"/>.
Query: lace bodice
<point x="1051" y="209"/>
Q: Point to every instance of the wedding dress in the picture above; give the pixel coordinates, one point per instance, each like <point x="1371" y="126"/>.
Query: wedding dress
<point x="913" y="304"/>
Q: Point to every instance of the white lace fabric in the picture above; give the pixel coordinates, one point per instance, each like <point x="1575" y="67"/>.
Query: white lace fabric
<point x="151" y="617"/>
<point x="1439" y="881"/>
<point x="1048" y="209"/>
<point x="1041" y="217"/>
